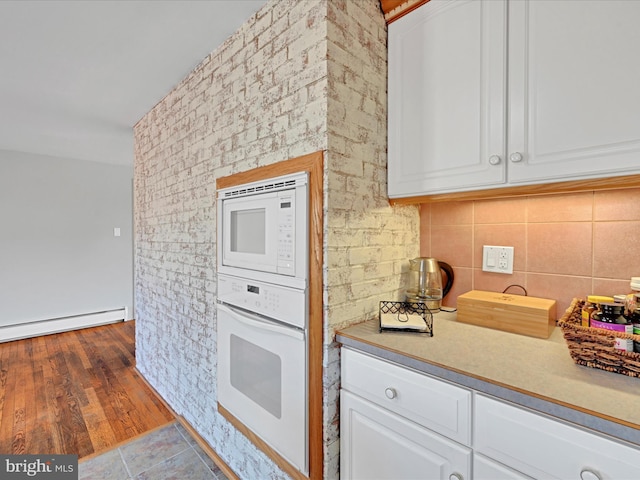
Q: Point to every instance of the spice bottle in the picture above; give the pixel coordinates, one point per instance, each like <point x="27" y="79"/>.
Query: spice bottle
<point x="612" y="313"/>
<point x="591" y="308"/>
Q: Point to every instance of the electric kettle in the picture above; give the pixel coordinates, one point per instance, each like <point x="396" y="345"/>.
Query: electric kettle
<point x="425" y="282"/>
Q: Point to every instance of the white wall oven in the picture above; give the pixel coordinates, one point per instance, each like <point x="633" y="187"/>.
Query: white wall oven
<point x="262" y="312"/>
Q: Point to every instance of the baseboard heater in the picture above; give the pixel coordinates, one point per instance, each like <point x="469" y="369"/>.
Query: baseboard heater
<point x="62" y="324"/>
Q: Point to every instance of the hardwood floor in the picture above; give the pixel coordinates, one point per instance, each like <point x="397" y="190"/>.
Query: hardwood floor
<point x="74" y="393"/>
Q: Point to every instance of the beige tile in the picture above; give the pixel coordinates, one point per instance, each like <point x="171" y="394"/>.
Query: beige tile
<point x="452" y="213"/>
<point x="462" y="283"/>
<point x="616" y="250"/>
<point x="497" y="282"/>
<point x="510" y="210"/>
<point x="575" y="207"/>
<point x="107" y="466"/>
<point x="562" y="289"/>
<point x="507" y="235"/>
<point x="452" y="244"/>
<point x="560" y="248"/>
<point x="617" y="205"/>
<point x="609" y="287"/>
<point x="185" y="465"/>
<point x="425" y="230"/>
<point x="146" y="451"/>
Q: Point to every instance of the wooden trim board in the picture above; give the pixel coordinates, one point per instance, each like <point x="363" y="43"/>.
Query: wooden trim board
<point x="211" y="453"/>
<point x="574" y="186"/>
<point x="313" y="164"/>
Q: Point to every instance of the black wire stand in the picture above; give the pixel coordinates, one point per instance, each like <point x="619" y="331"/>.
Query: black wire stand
<point x="402" y="310"/>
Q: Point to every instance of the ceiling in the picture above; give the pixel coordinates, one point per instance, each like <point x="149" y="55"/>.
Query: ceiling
<point x="76" y="75"/>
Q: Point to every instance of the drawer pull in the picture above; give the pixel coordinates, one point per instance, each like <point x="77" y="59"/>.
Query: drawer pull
<point x="588" y="474"/>
<point x="495" y="159"/>
<point x="456" y="476"/>
<point x="390" y="393"/>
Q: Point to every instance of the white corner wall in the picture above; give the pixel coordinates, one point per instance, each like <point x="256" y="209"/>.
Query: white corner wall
<point x="58" y="253"/>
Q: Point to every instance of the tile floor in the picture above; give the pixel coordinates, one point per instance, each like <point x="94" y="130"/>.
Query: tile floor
<point x="164" y="454"/>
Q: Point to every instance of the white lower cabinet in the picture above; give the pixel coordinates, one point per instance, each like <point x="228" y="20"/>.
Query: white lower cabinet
<point x="383" y="412"/>
<point x="542" y="447"/>
<point x="398" y="423"/>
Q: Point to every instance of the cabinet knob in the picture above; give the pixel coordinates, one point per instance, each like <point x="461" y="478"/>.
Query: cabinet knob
<point x="515" y="157"/>
<point x="390" y="393"/>
<point x="456" y="476"/>
<point x="588" y="474"/>
<point x="495" y="159"/>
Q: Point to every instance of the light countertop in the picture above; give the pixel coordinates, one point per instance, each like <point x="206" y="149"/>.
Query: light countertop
<point x="532" y="372"/>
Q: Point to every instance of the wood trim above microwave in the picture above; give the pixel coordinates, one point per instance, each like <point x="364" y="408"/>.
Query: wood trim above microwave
<point x="313" y="164"/>
<point x="394" y="9"/>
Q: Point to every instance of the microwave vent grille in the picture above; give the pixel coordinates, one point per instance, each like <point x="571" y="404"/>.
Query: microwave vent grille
<point x="265" y="187"/>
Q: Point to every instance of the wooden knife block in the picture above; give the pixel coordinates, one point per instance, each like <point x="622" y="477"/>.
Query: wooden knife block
<point x="531" y="316"/>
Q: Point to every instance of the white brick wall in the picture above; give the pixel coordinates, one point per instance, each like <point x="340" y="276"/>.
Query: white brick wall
<point x="300" y="76"/>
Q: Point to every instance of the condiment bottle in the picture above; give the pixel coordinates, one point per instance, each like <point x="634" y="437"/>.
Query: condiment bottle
<point x="612" y="313"/>
<point x="593" y="308"/>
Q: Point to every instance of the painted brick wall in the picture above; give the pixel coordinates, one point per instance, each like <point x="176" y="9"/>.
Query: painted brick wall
<point x="368" y="243"/>
<point x="298" y="77"/>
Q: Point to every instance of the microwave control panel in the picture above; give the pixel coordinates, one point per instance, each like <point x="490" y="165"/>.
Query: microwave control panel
<point x="286" y="235"/>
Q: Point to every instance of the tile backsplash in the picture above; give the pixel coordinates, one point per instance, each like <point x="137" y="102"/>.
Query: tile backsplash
<point x="565" y="246"/>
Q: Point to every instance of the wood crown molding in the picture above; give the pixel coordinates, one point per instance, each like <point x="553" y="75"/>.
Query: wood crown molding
<point x="574" y="186"/>
<point x="394" y="9"/>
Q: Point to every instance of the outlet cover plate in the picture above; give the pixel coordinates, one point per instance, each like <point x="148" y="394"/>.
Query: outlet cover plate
<point x="497" y="259"/>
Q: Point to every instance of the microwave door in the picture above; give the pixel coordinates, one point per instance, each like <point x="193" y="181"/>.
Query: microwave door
<point x="250" y="232"/>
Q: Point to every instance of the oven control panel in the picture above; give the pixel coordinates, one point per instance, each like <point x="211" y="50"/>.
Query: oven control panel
<point x="281" y="303"/>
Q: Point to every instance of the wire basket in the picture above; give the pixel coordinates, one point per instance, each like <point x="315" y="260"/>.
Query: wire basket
<point x="412" y="317"/>
<point x="595" y="347"/>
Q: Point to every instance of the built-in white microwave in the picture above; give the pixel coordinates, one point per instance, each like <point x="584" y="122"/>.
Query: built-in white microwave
<point x="263" y="230"/>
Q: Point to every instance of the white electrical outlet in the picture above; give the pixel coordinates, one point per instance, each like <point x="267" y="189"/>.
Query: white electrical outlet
<point x="497" y="259"/>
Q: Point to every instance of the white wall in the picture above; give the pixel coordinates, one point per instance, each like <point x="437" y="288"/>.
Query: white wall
<point x="58" y="254"/>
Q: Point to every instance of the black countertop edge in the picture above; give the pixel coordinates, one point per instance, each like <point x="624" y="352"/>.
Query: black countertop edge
<point x="572" y="416"/>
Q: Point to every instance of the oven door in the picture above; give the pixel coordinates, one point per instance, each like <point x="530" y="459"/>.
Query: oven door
<point x="262" y="380"/>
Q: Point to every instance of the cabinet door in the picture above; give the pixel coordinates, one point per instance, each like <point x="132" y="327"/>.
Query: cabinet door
<point x="446" y="120"/>
<point x="574" y="107"/>
<point x="377" y="444"/>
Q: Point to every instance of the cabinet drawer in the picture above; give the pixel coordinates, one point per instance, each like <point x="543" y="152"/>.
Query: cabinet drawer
<point x="541" y="447"/>
<point x="487" y="469"/>
<point x="435" y="404"/>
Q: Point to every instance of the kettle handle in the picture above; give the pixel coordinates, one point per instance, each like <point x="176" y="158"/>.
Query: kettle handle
<point x="449" y="271"/>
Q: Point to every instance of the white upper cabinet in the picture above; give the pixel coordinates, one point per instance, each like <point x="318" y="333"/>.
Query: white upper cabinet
<point x="447" y="97"/>
<point x="466" y="112"/>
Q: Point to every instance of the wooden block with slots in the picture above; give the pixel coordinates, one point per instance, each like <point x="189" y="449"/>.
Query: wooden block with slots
<point x="530" y="316"/>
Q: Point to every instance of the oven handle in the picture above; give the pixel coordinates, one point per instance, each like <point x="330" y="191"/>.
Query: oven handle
<point x="255" y="321"/>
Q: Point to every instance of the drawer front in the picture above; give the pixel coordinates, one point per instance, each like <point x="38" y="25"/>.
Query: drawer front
<point x="432" y="403"/>
<point x="541" y="447"/>
<point x="377" y="444"/>
<point x="487" y="469"/>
